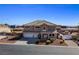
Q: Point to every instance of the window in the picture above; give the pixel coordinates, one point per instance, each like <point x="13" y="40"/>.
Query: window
<point x="52" y="34"/>
<point x="43" y="27"/>
<point x="49" y="34"/>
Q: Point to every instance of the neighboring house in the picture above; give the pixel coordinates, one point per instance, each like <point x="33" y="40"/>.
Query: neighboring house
<point x="4" y="28"/>
<point x="2" y="37"/>
<point x="17" y="30"/>
<point x="70" y="29"/>
<point x="39" y="29"/>
<point x="67" y="37"/>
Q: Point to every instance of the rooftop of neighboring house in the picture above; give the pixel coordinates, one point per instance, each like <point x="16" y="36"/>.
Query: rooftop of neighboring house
<point x="69" y="29"/>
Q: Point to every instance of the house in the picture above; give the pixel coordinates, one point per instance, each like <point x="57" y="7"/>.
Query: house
<point x="66" y="35"/>
<point x="40" y="29"/>
<point x="4" y="29"/>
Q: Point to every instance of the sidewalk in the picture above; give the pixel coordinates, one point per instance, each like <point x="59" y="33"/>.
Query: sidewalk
<point x="21" y="42"/>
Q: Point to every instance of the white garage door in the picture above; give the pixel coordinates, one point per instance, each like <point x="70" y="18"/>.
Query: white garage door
<point x="30" y="35"/>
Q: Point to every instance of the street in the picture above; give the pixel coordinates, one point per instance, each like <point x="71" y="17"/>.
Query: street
<point x="37" y="50"/>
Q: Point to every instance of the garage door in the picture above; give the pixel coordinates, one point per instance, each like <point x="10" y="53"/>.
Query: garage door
<point x="30" y="35"/>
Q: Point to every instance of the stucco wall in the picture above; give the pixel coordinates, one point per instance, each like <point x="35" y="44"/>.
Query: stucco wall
<point x="5" y="29"/>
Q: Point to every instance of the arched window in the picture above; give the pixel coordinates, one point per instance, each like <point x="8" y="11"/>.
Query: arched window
<point x="50" y="35"/>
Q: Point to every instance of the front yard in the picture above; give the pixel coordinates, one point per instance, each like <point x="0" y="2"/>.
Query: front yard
<point x="9" y="40"/>
<point x="57" y="42"/>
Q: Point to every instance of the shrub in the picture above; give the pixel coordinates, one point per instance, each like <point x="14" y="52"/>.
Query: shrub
<point x="42" y="40"/>
<point x="48" y="42"/>
<point x="75" y="38"/>
<point x="51" y="40"/>
<point x="37" y="42"/>
<point x="61" y="42"/>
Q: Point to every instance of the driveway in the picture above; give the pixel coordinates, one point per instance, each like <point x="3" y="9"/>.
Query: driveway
<point x="70" y="43"/>
<point x="21" y="43"/>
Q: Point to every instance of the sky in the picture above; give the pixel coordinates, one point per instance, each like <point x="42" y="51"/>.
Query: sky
<point x="19" y="14"/>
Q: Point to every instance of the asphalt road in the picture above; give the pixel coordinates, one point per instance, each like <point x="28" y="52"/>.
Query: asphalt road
<point x="37" y="50"/>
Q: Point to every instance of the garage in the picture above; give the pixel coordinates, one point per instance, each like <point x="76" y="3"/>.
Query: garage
<point x="30" y="35"/>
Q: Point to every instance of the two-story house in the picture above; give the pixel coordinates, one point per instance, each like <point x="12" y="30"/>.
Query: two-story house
<point x="40" y="29"/>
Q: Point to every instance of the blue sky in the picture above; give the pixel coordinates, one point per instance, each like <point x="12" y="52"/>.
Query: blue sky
<point x="18" y="14"/>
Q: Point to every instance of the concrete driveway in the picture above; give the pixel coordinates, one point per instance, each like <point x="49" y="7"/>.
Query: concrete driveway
<point x="70" y="43"/>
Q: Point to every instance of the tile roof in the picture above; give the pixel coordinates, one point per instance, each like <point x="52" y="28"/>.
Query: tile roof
<point x="39" y="22"/>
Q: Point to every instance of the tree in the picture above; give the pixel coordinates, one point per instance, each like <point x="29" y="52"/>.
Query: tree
<point x="6" y="24"/>
<point x="78" y="27"/>
<point x="12" y="26"/>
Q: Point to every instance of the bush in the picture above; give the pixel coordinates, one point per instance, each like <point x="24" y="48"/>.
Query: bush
<point x="48" y="42"/>
<point x="75" y="38"/>
<point x="61" y="42"/>
<point x="42" y="40"/>
<point x="37" y="42"/>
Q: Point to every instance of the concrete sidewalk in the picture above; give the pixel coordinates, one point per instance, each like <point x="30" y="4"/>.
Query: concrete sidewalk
<point x="21" y="43"/>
